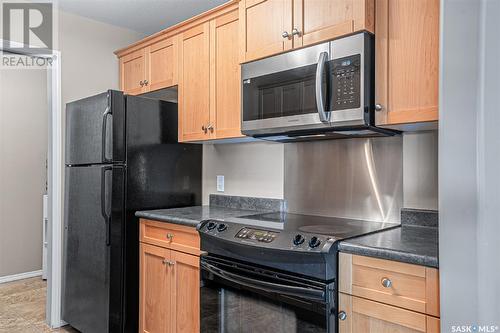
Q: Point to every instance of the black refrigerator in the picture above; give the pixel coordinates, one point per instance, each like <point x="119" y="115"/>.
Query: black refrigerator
<point x="122" y="155"/>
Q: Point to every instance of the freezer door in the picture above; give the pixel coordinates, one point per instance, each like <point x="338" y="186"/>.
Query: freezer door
<point x="93" y="224"/>
<point x="95" y="129"/>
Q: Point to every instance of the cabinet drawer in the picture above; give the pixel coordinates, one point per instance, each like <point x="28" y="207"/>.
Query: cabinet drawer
<point x="407" y="286"/>
<point x="362" y="315"/>
<point x="170" y="236"/>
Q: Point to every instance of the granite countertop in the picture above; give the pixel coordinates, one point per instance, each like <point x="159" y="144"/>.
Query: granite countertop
<point x="414" y="242"/>
<point x="192" y="216"/>
<point x="220" y="208"/>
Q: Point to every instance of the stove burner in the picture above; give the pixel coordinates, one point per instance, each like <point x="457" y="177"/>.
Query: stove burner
<point x="326" y="229"/>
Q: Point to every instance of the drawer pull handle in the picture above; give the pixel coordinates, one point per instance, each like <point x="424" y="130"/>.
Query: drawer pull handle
<point x="386" y="282"/>
<point x="170" y="236"/>
<point x="342" y="315"/>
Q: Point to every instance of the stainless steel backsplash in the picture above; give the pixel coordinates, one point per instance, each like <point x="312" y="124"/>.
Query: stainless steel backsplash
<point x="353" y="178"/>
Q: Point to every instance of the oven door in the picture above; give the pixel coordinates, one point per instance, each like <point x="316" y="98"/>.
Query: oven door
<point x="236" y="297"/>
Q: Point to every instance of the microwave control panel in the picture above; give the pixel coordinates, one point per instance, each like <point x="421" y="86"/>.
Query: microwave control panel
<point x="346" y="77"/>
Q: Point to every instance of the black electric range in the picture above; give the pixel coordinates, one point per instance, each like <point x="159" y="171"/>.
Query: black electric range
<point x="278" y="267"/>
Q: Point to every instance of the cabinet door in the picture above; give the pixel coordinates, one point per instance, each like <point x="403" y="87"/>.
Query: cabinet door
<point x="133" y="72"/>
<point x="162" y="59"/>
<point x="366" y="316"/>
<point x="154" y="290"/>
<point x="407" y="61"/>
<point x="320" y="20"/>
<point x="194" y="113"/>
<point x="225" y="109"/>
<point x="185" y="296"/>
<point x="262" y="24"/>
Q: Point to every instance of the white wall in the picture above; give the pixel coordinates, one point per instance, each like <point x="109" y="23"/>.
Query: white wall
<point x="23" y="153"/>
<point x="88" y="67"/>
<point x="249" y="169"/>
<point x="469" y="161"/>
<point x="88" y="64"/>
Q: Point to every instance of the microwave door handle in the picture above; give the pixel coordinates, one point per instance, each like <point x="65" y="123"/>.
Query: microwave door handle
<point x="323" y="56"/>
<point x="312" y="294"/>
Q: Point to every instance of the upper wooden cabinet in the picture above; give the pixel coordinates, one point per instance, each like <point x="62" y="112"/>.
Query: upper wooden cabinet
<point x="150" y="68"/>
<point x="194" y="83"/>
<point x="209" y="84"/>
<point x="270" y="27"/>
<point x="407" y="61"/>
<point x="262" y="25"/>
<point x="133" y="72"/>
<point x="162" y="58"/>
<point x="319" y="20"/>
<point x="225" y="74"/>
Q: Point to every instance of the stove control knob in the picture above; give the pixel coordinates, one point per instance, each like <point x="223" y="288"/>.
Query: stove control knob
<point x="211" y="225"/>
<point x="221" y="227"/>
<point x="314" y="242"/>
<point x="298" y="239"/>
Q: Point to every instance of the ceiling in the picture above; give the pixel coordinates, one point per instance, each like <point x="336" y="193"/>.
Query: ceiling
<point x="144" y="16"/>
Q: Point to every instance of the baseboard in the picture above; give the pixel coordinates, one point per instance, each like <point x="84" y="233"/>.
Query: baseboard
<point x="20" y="276"/>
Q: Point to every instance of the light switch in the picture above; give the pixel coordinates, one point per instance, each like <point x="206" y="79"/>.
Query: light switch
<point x="220" y="183"/>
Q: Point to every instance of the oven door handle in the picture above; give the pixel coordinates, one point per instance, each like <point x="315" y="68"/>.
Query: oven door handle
<point x="323" y="56"/>
<point x="301" y="292"/>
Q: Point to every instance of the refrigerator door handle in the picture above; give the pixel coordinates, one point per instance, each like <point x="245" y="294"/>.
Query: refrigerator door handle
<point x="105" y="116"/>
<point x="104" y="210"/>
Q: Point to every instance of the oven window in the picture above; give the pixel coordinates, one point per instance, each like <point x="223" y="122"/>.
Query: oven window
<point x="233" y="310"/>
<point x="282" y="94"/>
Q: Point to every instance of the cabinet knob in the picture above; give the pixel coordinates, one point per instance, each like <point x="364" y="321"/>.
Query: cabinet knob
<point x="342" y="315"/>
<point x="204" y="129"/>
<point x="295" y="32"/>
<point x="285" y="34"/>
<point x="146" y="82"/>
<point x="378" y="107"/>
<point x="170" y="236"/>
<point x="210" y="127"/>
<point x="168" y="262"/>
<point x="386" y="282"/>
<point x="141" y="83"/>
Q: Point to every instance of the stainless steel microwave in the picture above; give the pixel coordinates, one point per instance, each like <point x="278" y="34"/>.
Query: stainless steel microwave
<point x="321" y="91"/>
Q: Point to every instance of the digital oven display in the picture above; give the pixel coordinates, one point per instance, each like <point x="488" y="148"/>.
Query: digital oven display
<point x="264" y="236"/>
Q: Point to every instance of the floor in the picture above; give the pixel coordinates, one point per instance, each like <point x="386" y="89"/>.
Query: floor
<point x="22" y="307"/>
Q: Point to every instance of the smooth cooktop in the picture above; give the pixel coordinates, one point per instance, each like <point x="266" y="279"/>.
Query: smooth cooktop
<point x="339" y="228"/>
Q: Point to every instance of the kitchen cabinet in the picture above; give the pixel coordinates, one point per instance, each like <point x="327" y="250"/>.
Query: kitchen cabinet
<point x="377" y="295"/>
<point x="407" y="63"/>
<point x="133" y="72"/>
<point x="362" y="315"/>
<point x="265" y="28"/>
<point x="194" y="85"/>
<point x="209" y="87"/>
<point x="169" y="278"/>
<point x="155" y="289"/>
<point x="162" y="60"/>
<point x="150" y="68"/>
<point x="270" y="27"/>
<point x="225" y="92"/>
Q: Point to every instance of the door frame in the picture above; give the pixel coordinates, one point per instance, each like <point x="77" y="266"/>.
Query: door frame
<point x="55" y="183"/>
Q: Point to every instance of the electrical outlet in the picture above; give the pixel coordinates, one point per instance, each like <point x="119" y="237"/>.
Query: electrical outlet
<point x="220" y="183"/>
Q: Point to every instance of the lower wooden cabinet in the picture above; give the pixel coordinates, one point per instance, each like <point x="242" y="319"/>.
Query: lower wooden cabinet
<point x="357" y="314"/>
<point x="385" y="296"/>
<point x="169" y="290"/>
